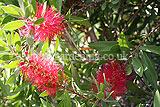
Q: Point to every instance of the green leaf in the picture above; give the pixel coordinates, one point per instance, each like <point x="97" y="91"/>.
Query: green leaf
<point x="95" y="82"/>
<point x="79" y="20"/>
<point x="21" y="4"/>
<point x="6" y="57"/>
<point x="43" y="94"/>
<point x="12" y="65"/>
<point x="59" y="5"/>
<point x="3" y="48"/>
<point x="30" y="40"/>
<point x="14" y="25"/>
<point x="39" y="21"/>
<point x="57" y="44"/>
<point x="67" y="100"/>
<point x="150" y="72"/>
<point x="17" y="39"/>
<point x="134" y="88"/>
<point x="151" y="48"/>
<point x="122" y="40"/>
<point x="12" y="96"/>
<point x="45" y="46"/>
<point x="28" y="11"/>
<point x="104" y="5"/>
<point x="7" y="19"/>
<point x="2" y="43"/>
<point x="34" y="5"/>
<point x="18" y="9"/>
<point x="100" y="95"/>
<point x="12" y="78"/>
<point x="3" y="88"/>
<point x="11" y="11"/>
<point x="156" y="99"/>
<point x="134" y="100"/>
<point x="75" y="75"/>
<point x="9" y="39"/>
<point x="115" y="1"/>
<point x="23" y="85"/>
<point x="103" y="45"/>
<point x="44" y="103"/>
<point x="137" y="66"/>
<point x="18" y="49"/>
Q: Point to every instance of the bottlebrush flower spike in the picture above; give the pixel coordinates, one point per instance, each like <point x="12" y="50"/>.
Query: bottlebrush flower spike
<point x="115" y="77"/>
<point x="42" y="72"/>
<point x="50" y="28"/>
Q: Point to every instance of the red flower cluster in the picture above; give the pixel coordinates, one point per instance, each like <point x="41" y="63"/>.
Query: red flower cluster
<point x="43" y="73"/>
<point x="115" y="77"/>
<point x="51" y="26"/>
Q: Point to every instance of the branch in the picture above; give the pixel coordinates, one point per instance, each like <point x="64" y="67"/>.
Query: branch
<point x="142" y="42"/>
<point x="79" y="95"/>
<point x="131" y="19"/>
<point x="87" y="6"/>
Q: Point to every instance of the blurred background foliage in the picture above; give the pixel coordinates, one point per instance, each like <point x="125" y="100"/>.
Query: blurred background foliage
<point x="93" y="27"/>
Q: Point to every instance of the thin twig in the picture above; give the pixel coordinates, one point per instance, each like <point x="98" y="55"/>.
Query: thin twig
<point x="142" y="42"/>
<point x="79" y="95"/>
<point x="132" y="18"/>
<point x="87" y="6"/>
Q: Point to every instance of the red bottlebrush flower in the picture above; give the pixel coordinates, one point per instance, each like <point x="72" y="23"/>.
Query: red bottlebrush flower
<point x="51" y="26"/>
<point x="115" y="77"/>
<point x="42" y="72"/>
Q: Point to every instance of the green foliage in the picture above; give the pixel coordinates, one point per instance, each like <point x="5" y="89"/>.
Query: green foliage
<point x="92" y="30"/>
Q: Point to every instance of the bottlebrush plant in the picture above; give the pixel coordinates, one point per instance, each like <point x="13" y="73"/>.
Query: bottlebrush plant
<point x="84" y="53"/>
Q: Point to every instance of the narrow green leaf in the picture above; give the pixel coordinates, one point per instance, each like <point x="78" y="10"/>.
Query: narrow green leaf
<point x="79" y="20"/>
<point x="34" y="5"/>
<point x="39" y="21"/>
<point x="45" y="46"/>
<point x="134" y="100"/>
<point x="115" y="1"/>
<point x="17" y="9"/>
<point x="12" y="78"/>
<point x="67" y="100"/>
<point x="134" y="88"/>
<point x="75" y="75"/>
<point x="14" y="25"/>
<point x="151" y="48"/>
<point x="3" y="88"/>
<point x="11" y="11"/>
<point x="12" y="65"/>
<point x="44" y="103"/>
<point x="18" y="49"/>
<point x="21" y="4"/>
<point x="156" y="99"/>
<point x="137" y="66"/>
<point x="104" y="5"/>
<point x="28" y="11"/>
<point x="96" y="82"/>
<point x="9" y="39"/>
<point x="2" y="43"/>
<point x="100" y="95"/>
<point x="123" y="41"/>
<point x="6" y="57"/>
<point x="30" y="40"/>
<point x="17" y="39"/>
<point x="95" y="103"/>
<point x="103" y="45"/>
<point x="13" y="96"/>
<point x="3" y="48"/>
<point x="150" y="72"/>
<point x="43" y="94"/>
<point x="57" y="44"/>
<point x="59" y="5"/>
